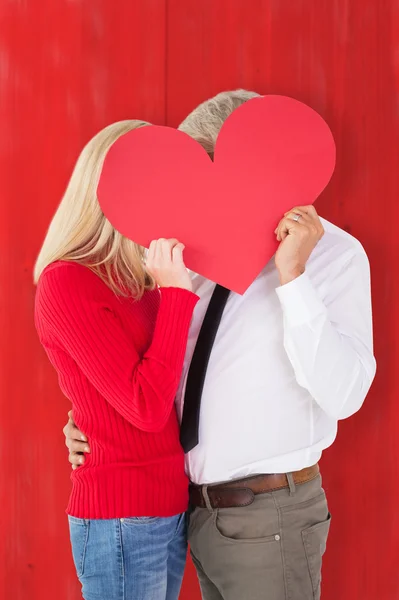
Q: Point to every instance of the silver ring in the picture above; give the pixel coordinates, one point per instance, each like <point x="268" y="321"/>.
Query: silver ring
<point x="296" y="218"/>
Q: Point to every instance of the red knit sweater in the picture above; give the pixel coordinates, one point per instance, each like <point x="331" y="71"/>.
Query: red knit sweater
<point x="119" y="361"/>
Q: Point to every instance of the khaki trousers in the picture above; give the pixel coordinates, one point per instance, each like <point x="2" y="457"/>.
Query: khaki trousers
<point x="270" y="550"/>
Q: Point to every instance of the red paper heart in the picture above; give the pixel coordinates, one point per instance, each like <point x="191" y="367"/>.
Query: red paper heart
<point x="272" y="153"/>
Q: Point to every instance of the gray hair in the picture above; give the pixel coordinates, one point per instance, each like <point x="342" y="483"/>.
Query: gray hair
<point x="205" y="122"/>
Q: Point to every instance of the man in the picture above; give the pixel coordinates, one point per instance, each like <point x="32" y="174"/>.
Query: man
<point x="291" y="357"/>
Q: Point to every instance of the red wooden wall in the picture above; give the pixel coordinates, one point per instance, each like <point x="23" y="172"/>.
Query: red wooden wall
<point x="67" y="68"/>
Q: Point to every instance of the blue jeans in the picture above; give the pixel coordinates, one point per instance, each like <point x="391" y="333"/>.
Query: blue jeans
<point x="139" y="558"/>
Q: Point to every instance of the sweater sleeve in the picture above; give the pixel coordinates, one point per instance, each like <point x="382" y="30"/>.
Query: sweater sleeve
<point x="71" y="311"/>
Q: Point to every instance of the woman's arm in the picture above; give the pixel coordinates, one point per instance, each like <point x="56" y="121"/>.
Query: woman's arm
<point x="72" y="310"/>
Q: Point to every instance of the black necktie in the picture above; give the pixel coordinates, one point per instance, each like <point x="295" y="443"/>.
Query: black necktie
<point x="197" y="371"/>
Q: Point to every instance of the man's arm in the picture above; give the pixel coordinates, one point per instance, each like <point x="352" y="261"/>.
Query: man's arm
<point x="329" y="341"/>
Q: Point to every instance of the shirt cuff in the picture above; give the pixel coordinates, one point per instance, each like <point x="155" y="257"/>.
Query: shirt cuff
<point x="300" y="301"/>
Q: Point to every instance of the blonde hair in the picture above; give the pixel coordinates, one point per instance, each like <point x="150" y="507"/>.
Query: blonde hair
<point x="205" y="122"/>
<point x="80" y="232"/>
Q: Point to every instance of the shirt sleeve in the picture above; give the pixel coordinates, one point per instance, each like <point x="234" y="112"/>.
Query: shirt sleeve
<point x="329" y="340"/>
<point x="80" y="320"/>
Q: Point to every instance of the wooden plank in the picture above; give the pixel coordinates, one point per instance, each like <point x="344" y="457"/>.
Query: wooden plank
<point x="67" y="69"/>
<point x="341" y="58"/>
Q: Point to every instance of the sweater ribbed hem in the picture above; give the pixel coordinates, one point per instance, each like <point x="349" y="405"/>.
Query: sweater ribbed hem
<point x="124" y="491"/>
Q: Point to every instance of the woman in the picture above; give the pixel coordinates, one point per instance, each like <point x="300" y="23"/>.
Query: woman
<point x="115" y="330"/>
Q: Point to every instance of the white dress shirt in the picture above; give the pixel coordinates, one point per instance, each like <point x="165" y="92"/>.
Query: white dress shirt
<point x="288" y="362"/>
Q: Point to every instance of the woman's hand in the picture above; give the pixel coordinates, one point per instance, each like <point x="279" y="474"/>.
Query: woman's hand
<point x="165" y="264"/>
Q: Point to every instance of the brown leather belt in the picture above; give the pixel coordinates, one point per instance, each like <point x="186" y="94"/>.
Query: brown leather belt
<point x="242" y="492"/>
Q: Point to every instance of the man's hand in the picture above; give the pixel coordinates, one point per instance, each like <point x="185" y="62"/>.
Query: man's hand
<point x="298" y="233"/>
<point x="76" y="442"/>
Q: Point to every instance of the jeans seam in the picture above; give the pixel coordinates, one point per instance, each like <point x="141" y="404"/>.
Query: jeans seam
<point x="179" y="520"/>
<point x="122" y="563"/>
<point x="280" y="524"/>
<point x="84" y="549"/>
<point x="305" y="542"/>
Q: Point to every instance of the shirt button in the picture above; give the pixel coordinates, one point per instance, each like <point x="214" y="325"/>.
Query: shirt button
<point x="277" y="538"/>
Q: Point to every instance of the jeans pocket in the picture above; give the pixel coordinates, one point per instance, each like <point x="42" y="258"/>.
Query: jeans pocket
<point x="315" y="541"/>
<point x="226" y="530"/>
<point x="79" y="534"/>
